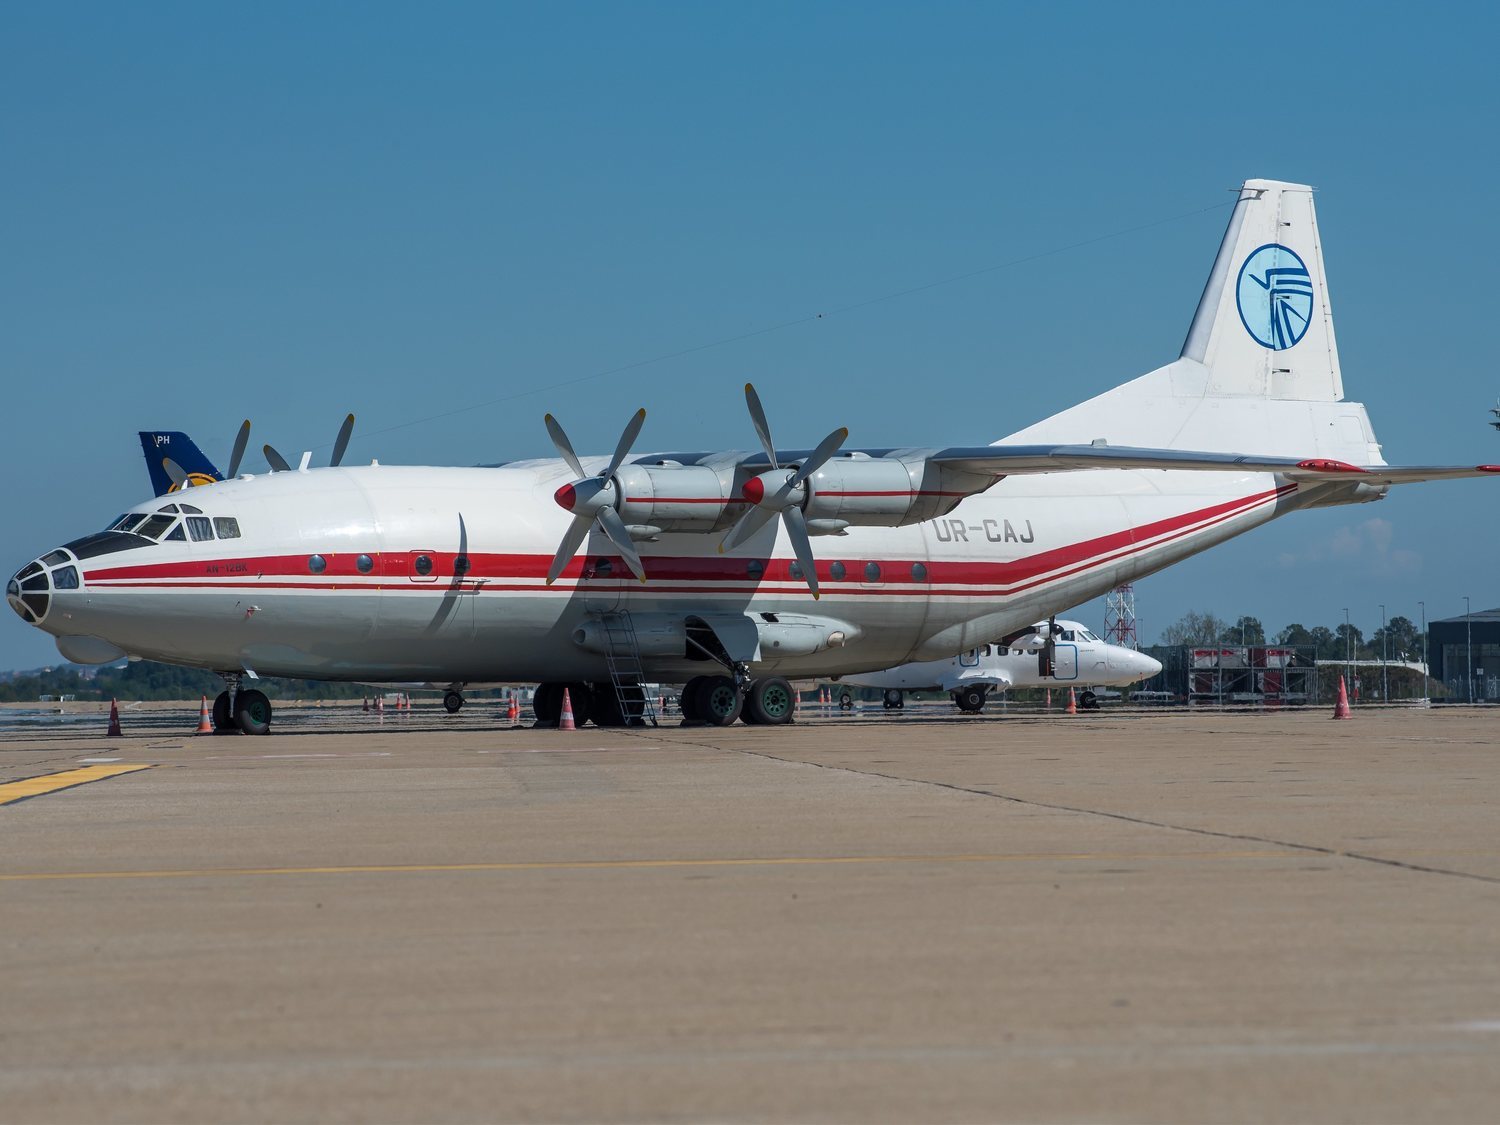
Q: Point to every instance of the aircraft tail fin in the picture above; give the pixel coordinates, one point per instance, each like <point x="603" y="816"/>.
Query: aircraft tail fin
<point x="159" y="445"/>
<point x="1259" y="371"/>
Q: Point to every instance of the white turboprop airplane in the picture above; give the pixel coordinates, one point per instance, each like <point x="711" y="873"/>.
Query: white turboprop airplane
<point x="701" y="567"/>
<point x="1049" y="654"/>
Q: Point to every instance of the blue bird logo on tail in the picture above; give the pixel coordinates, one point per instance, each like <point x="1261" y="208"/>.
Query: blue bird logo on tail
<point x="1275" y="296"/>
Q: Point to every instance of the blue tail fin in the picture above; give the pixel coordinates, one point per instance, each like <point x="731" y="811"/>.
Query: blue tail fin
<point x="158" y="445"/>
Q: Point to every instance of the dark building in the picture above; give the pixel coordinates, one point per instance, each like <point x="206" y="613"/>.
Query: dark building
<point x="1452" y="642"/>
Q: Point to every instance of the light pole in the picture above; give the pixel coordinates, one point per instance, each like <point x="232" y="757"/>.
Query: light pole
<point x="1469" y="659"/>
<point x="1385" y="671"/>
<point x="1423" y="607"/>
<point x="1348" y="650"/>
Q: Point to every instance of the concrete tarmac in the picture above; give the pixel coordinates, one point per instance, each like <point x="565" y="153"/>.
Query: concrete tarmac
<point x="1170" y="917"/>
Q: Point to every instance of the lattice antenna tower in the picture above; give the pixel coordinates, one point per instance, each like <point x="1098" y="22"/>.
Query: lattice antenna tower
<point x="1119" y="617"/>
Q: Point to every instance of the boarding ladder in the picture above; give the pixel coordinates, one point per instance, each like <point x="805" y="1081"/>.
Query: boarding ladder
<point x="622" y="655"/>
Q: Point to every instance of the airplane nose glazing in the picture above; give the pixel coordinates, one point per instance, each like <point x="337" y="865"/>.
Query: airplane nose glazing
<point x="29" y="593"/>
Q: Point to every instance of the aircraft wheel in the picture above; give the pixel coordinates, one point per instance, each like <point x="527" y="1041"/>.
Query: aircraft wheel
<point x="771" y="702"/>
<point x="846" y="702"/>
<point x="546" y="704"/>
<point x="223" y="716"/>
<point x="719" y="701"/>
<point x="252" y="711"/>
<point x="1088" y="701"/>
<point x="453" y="701"/>
<point x="894" y="699"/>
<point x="687" y="700"/>
<point x="606" y="709"/>
<point x="970" y="699"/>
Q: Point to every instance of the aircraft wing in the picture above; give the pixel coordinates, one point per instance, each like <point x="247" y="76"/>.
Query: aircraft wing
<point x="1016" y="460"/>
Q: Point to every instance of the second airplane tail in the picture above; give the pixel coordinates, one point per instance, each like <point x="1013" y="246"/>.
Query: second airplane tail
<point x="160" y="445"/>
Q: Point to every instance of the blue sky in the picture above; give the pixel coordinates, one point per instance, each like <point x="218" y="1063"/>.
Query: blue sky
<point x="292" y="211"/>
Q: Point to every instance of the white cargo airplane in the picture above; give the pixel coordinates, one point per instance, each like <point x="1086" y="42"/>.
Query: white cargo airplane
<point x="1056" y="653"/>
<point x="701" y="567"/>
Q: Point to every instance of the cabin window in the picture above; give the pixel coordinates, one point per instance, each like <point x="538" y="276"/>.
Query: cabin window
<point x="460" y="565"/>
<point x="795" y="570"/>
<point x="155" y="525"/>
<point x="918" y="572"/>
<point x="872" y="572"/>
<point x="755" y="568"/>
<point x="177" y="534"/>
<point x="364" y="564"/>
<point x="423" y="565"/>
<point x="200" y="528"/>
<point x="227" y="526"/>
<point x="317" y="564"/>
<point x="838" y="572"/>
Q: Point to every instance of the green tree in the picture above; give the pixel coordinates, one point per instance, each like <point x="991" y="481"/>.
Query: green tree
<point x="1399" y="640"/>
<point x="1193" y="629"/>
<point x="1297" y="635"/>
<point x="1245" y="631"/>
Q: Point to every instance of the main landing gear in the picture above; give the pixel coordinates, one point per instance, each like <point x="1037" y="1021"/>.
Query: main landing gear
<point x="719" y="701"/>
<point x="241" y="709"/>
<point x="453" y="700"/>
<point x="970" y="700"/>
<point x="597" y="702"/>
<point x="895" y="699"/>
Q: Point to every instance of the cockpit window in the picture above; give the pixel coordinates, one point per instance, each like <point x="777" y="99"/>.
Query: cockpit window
<point x="154" y="526"/>
<point x="168" y="508"/>
<point x="177" y="535"/>
<point x="1067" y="635"/>
<point x="193" y="510"/>
<point x="227" y="526"/>
<point x="54" y="558"/>
<point x="129" y="521"/>
<point x="65" y="578"/>
<point x="201" y="528"/>
<point x="1086" y="635"/>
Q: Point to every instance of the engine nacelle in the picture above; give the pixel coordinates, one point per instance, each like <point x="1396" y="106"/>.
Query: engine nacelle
<point x="886" y="491"/>
<point x="676" y="497"/>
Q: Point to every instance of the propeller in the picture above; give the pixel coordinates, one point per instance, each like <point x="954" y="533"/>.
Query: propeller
<point x="279" y="463"/>
<point x="179" y="476"/>
<point x="781" y="490"/>
<point x="592" y="500"/>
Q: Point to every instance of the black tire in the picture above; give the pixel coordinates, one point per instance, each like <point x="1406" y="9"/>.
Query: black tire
<point x="846" y="702"/>
<point x="606" y="709"/>
<point x="252" y="711"/>
<point x="895" y="699"/>
<point x="970" y="699"/>
<point x="580" y="701"/>
<point x="1088" y="701"/>
<point x="453" y="701"/>
<point x="771" y="702"/>
<point x="223" y="716"/>
<point x="687" y="702"/>
<point x="546" y="704"/>
<point x="719" y="701"/>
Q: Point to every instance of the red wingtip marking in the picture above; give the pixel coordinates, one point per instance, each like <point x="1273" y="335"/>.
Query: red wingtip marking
<point x="755" y="490"/>
<point x="1488" y="468"/>
<point x="1324" y="465"/>
<point x="566" y="497"/>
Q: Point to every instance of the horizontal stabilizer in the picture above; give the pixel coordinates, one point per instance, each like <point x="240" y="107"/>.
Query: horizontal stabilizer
<point x="1017" y="460"/>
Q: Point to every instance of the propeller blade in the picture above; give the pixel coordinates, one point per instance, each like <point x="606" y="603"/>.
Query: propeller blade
<point x="341" y="443"/>
<point x="174" y="470"/>
<point x="622" y="450"/>
<point x="577" y="531"/>
<point x="826" y="449"/>
<point x="241" y="440"/>
<point x="796" y="530"/>
<point x="613" y="526"/>
<point x="564" y="446"/>
<point x="758" y="420"/>
<point x="751" y="522"/>
<point x="275" y="460"/>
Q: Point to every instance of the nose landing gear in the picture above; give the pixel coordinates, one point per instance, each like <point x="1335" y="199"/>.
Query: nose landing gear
<point x="241" y="709"/>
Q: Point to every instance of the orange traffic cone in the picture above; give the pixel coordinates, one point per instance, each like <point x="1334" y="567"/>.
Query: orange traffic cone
<point x="1072" y="708"/>
<point x="205" y="724"/>
<point x="380" y="705"/>
<point x="566" y="722"/>
<point x="1341" y="705"/>
<point x="513" y="712"/>
<point x="114" y="720"/>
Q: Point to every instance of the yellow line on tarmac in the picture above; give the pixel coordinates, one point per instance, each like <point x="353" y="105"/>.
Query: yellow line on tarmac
<point x="12" y="791"/>
<point x="629" y="864"/>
